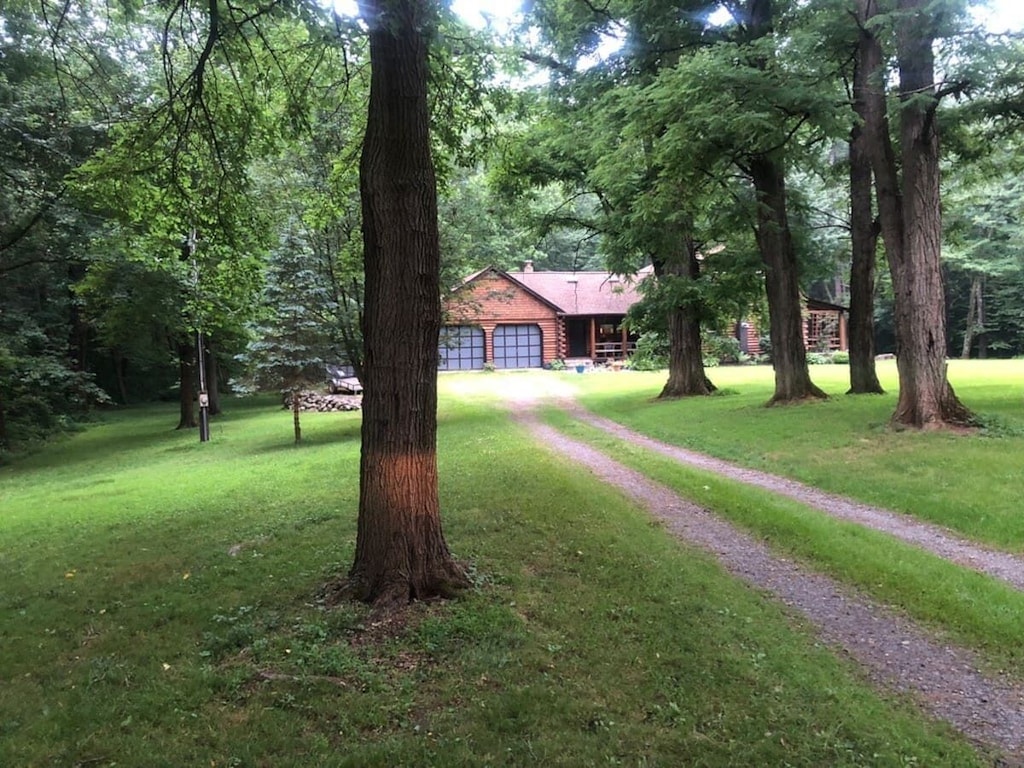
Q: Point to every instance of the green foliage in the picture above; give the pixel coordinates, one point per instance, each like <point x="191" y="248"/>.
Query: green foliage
<point x="47" y="129"/>
<point x="983" y="235"/>
<point x="40" y="392"/>
<point x="651" y="352"/>
<point x="721" y="348"/>
<point x="292" y="344"/>
<point x="652" y="349"/>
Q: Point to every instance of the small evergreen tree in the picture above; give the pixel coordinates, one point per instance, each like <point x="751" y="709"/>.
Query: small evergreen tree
<point x="291" y="342"/>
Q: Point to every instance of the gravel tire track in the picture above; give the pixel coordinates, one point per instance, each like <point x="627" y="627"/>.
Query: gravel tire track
<point x="1004" y="566"/>
<point x="946" y="680"/>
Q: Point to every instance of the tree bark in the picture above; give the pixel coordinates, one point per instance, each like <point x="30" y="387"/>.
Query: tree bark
<point x="910" y="215"/>
<point x="187" y="388"/>
<point x="972" y="319"/>
<point x="296" y="410"/>
<point x="401" y="553"/>
<point x="864" y="247"/>
<point x="686" y="374"/>
<point x="775" y="243"/>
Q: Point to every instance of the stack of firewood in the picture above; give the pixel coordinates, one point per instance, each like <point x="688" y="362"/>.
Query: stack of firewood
<point x="325" y="403"/>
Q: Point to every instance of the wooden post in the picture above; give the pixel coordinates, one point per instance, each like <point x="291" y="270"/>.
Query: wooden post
<point x="844" y="343"/>
<point x="593" y="337"/>
<point x="625" y="340"/>
<point x="488" y="342"/>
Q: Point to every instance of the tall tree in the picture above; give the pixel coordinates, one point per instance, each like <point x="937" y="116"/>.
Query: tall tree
<point x="607" y="144"/>
<point x="908" y="194"/>
<point x="864" y="234"/>
<point x="753" y="100"/>
<point x="292" y="344"/>
<point x="401" y="553"/>
<point x="766" y="168"/>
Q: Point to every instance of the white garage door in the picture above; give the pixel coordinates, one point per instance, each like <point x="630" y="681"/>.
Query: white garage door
<point x="462" y="348"/>
<point x="518" y="346"/>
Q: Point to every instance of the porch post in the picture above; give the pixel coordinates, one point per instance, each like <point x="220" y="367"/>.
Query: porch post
<point x="593" y="337"/>
<point x="488" y="342"/>
<point x="844" y="343"/>
<point x="625" y="338"/>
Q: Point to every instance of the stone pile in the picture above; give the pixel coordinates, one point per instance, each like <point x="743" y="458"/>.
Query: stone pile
<point x="325" y="403"/>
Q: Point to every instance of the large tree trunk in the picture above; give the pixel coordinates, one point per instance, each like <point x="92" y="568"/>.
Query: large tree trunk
<point x="686" y="375"/>
<point x="187" y="389"/>
<point x="910" y="215"/>
<point x="864" y="246"/>
<point x="775" y="242"/>
<point x="401" y="552"/>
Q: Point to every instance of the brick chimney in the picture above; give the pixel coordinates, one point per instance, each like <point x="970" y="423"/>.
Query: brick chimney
<point x="528" y="266"/>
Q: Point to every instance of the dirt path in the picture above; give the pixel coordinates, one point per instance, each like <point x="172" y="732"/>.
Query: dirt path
<point x="946" y="680"/>
<point x="939" y="541"/>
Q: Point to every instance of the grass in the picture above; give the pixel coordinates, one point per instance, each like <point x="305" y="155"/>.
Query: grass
<point x="157" y="608"/>
<point x="966" y="607"/>
<point x="969" y="483"/>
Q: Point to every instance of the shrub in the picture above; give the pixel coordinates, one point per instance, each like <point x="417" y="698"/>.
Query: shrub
<point x="651" y="353"/>
<point x="841" y="358"/>
<point x="818" y="358"/>
<point x="724" y="349"/>
<point x="558" y="364"/>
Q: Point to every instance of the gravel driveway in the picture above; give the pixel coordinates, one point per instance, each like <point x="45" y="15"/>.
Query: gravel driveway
<point x="947" y="681"/>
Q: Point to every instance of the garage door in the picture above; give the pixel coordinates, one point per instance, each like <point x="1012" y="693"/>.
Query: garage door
<point x="462" y="348"/>
<point x="517" y="346"/>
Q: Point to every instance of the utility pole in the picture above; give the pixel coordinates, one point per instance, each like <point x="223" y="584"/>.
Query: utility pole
<point x="204" y="396"/>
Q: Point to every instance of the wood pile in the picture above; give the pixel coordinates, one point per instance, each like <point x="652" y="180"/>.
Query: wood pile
<point x="325" y="403"/>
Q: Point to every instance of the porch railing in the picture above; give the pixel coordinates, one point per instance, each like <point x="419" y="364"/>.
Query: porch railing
<point x="609" y="350"/>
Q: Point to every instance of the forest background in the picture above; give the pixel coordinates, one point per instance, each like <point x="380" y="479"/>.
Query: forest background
<point x="182" y="168"/>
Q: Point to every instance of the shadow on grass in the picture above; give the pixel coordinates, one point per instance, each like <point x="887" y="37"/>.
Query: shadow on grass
<point x="311" y="439"/>
<point x="129" y="430"/>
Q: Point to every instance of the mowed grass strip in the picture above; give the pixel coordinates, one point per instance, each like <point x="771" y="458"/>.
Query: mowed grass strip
<point x="166" y="615"/>
<point x="969" y="483"/>
<point x="966" y="607"/>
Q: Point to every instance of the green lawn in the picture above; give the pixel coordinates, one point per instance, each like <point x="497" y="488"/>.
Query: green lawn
<point x="158" y="608"/>
<point x="968" y="483"/>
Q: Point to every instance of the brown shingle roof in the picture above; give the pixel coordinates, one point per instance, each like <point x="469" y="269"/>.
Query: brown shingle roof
<point x="582" y="293"/>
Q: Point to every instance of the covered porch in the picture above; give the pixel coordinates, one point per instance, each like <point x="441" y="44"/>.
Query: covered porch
<point x="597" y="337"/>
